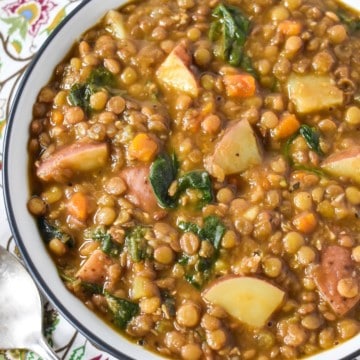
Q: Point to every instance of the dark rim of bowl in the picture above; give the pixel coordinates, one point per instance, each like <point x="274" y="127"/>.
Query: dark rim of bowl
<point x="13" y="225"/>
<point x="41" y="282"/>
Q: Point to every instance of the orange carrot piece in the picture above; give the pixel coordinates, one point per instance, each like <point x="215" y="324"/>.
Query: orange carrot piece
<point x="239" y="85"/>
<point x="305" y="222"/>
<point x="78" y="206"/>
<point x="143" y="147"/>
<point x="287" y="126"/>
<point x="289" y="27"/>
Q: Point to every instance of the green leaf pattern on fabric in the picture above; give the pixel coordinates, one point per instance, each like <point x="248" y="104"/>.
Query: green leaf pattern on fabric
<point x="78" y="353"/>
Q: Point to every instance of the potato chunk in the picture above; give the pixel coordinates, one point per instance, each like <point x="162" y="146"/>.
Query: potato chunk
<point x="175" y="72"/>
<point x="250" y="300"/>
<point x="114" y="23"/>
<point x="345" y="163"/>
<point x="77" y="157"/>
<point x="336" y="265"/>
<point x="236" y="151"/>
<point x="139" y="190"/>
<point x="313" y="92"/>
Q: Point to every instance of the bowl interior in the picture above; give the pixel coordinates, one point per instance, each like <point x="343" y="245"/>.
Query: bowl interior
<point x="16" y="189"/>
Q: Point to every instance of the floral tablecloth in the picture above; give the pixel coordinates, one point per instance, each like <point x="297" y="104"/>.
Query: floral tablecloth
<point x="24" y="26"/>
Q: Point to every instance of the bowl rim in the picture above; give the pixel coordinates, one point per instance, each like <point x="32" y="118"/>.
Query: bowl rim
<point x="30" y="265"/>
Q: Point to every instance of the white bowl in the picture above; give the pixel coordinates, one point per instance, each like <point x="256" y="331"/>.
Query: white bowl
<point x="16" y="190"/>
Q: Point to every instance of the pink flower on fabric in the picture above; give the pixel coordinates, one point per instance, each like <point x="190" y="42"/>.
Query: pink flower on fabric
<point x="35" y="13"/>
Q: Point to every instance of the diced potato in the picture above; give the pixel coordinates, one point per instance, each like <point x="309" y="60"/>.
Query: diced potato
<point x="345" y="163"/>
<point x="114" y="23"/>
<point x="139" y="189"/>
<point x="313" y="92"/>
<point x="175" y="72"/>
<point x="250" y="300"/>
<point x="78" y="157"/>
<point x="336" y="265"/>
<point x="143" y="287"/>
<point x="237" y="151"/>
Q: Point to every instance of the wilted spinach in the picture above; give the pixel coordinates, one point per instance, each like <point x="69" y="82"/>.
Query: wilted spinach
<point x="107" y="244"/>
<point x="213" y="230"/>
<point x="163" y="172"/>
<point x="310" y="135"/>
<point x="352" y="23"/>
<point x="123" y="310"/>
<point x="229" y="29"/>
<point x="80" y="93"/>
<point x="53" y="232"/>
<point x="196" y="180"/>
<point x="312" y="138"/>
<point x="136" y="243"/>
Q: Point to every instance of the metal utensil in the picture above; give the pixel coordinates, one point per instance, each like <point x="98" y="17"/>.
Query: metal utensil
<point x="20" y="309"/>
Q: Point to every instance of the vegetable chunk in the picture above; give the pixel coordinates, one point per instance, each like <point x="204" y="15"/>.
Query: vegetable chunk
<point x="313" y="92"/>
<point x="114" y="23"/>
<point x="239" y="85"/>
<point x="336" y="265"/>
<point x="139" y="189"/>
<point x="345" y="163"/>
<point x="237" y="151"/>
<point x="78" y="157"/>
<point x="248" y="299"/>
<point x="176" y="74"/>
<point x="95" y="268"/>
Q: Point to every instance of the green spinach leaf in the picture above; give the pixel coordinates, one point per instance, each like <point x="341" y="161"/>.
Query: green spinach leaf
<point x="311" y="137"/>
<point x="352" y="23"/>
<point x="189" y="226"/>
<point x="80" y="93"/>
<point x="229" y="29"/>
<point x="107" y="244"/>
<point x="163" y="172"/>
<point x="137" y="244"/>
<point x="213" y="230"/>
<point x="123" y="310"/>
<point x="169" y="302"/>
<point x="92" y="288"/>
<point x="196" y="180"/>
<point x="101" y="77"/>
<point x="53" y="232"/>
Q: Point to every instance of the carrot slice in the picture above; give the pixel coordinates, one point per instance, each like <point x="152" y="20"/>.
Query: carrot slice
<point x="78" y="206"/>
<point x="290" y="28"/>
<point x="287" y="126"/>
<point x="305" y="222"/>
<point x="143" y="147"/>
<point x="239" y="85"/>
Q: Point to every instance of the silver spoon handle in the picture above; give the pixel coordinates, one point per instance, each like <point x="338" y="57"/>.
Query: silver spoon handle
<point x="44" y="350"/>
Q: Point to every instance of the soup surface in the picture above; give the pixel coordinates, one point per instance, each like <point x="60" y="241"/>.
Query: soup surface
<point x="195" y="172"/>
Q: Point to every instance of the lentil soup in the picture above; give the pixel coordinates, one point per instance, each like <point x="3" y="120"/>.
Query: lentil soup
<point x="194" y="171"/>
